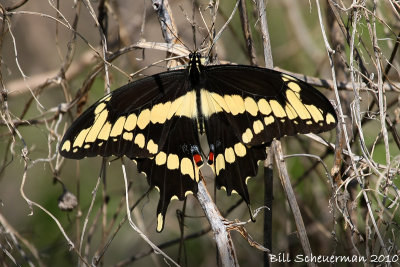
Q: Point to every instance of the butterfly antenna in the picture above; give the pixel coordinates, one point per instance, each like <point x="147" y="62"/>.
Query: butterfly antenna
<point x="213" y="40"/>
<point x="176" y="37"/>
<point x="194" y="26"/>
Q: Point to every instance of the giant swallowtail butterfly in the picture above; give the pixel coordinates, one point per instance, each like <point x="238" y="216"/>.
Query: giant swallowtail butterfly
<point x="156" y="121"/>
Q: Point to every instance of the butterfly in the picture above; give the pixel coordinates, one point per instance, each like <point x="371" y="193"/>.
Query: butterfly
<point x="158" y="120"/>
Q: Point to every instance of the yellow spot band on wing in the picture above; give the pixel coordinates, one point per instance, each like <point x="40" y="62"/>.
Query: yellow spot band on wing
<point x="277" y="109"/>
<point x="161" y="158"/>
<point x="258" y="127"/>
<point x="99" y="108"/>
<point x="290" y="111"/>
<point x="251" y="106"/>
<point x="315" y="113"/>
<point x="130" y="122"/>
<point x="105" y="131"/>
<point x="66" y="146"/>
<point x="152" y="147"/>
<point x="247" y="136"/>
<point x="139" y="140"/>
<point x="127" y="136"/>
<point x="330" y="119"/>
<point x="143" y="118"/>
<point x="268" y="120"/>
<point x="159" y="112"/>
<point x="264" y="107"/>
<point x="96" y="128"/>
<point x="118" y="126"/>
<point x="219" y="163"/>
<point x="172" y="162"/>
<point x="187" y="167"/>
<point x="240" y="149"/>
<point x="297" y="105"/>
<point x="81" y="138"/>
<point x="294" y="86"/>
<point x="229" y="155"/>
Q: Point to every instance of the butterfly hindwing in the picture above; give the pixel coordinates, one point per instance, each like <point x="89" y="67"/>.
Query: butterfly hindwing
<point x="173" y="170"/>
<point x="233" y="162"/>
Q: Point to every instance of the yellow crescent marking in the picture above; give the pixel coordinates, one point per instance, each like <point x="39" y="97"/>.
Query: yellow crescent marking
<point x="188" y="193"/>
<point x="160" y="222"/>
<point x="66" y="146"/>
<point x="118" y="126"/>
<point x="174" y="197"/>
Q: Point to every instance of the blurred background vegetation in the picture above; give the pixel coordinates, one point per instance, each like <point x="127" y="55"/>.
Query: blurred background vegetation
<point x="51" y="70"/>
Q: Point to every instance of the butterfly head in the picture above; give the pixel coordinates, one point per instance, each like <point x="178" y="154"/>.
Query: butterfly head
<point x="195" y="66"/>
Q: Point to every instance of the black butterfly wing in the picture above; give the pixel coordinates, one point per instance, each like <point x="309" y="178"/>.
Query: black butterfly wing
<point x="247" y="107"/>
<point x="173" y="171"/>
<point x="150" y="121"/>
<point x="133" y="120"/>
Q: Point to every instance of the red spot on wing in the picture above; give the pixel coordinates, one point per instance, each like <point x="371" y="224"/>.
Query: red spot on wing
<point x="198" y="160"/>
<point x="210" y="158"/>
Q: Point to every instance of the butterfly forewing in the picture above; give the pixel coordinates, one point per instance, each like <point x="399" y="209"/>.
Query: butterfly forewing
<point x="262" y="104"/>
<point x="133" y="120"/>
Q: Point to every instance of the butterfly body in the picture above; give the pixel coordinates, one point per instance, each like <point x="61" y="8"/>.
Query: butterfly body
<point x="157" y="122"/>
